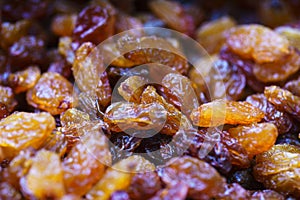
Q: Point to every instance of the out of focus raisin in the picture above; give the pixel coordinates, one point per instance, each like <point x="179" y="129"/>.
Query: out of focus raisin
<point x="176" y="191"/>
<point x="3" y="111"/>
<point x="7" y="97"/>
<point x="293" y="86"/>
<point x="7" y="192"/>
<point x="233" y="192"/>
<point x="267" y="194"/>
<point x="63" y="25"/>
<point x="119" y="195"/>
<point x="52" y="93"/>
<point x="246" y="179"/>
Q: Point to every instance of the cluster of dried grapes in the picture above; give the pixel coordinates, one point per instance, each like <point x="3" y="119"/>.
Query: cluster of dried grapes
<point x="238" y="141"/>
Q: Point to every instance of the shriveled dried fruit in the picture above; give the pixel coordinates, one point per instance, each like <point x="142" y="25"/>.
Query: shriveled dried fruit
<point x="86" y="162"/>
<point x="132" y="88"/>
<point x="52" y="93"/>
<point x="221" y="112"/>
<point x="7" y="97"/>
<point x="278" y="169"/>
<point x="73" y="116"/>
<point x="22" y="81"/>
<point x="173" y="14"/>
<point x="176" y="191"/>
<point x="65" y="49"/>
<point x="45" y="177"/>
<point x="21" y="130"/>
<point x="144" y="186"/>
<point x="233" y="192"/>
<point x="278" y="71"/>
<point x="174" y="118"/>
<point x="94" y="24"/>
<point x="212" y="35"/>
<point x="283" y="100"/>
<point x="203" y="181"/>
<point x="7" y="192"/>
<point x="56" y="142"/>
<point x="119" y="177"/>
<point x="293" y="86"/>
<point x="123" y="115"/>
<point x="89" y="74"/>
<point x="11" y="33"/>
<point x="255" y="138"/>
<point x="257" y="42"/>
<point x="63" y="25"/>
<point x="280" y="119"/>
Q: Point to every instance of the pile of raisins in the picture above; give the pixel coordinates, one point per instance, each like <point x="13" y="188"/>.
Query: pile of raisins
<point x="64" y="136"/>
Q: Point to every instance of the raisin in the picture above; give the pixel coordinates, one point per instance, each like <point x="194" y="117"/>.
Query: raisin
<point x="119" y="195"/>
<point x="132" y="88"/>
<point x="22" y="81"/>
<point x="73" y="116"/>
<point x="119" y="177"/>
<point x="278" y="169"/>
<point x="233" y="192"/>
<point x="255" y="138"/>
<point x="3" y="111"/>
<point x="292" y="34"/>
<point x="220" y="112"/>
<point x="52" y="93"/>
<point x="8" y="192"/>
<point x="257" y="42"/>
<point x="203" y="181"/>
<point x="94" y="24"/>
<point x="280" y="119"/>
<point x="7" y="98"/>
<point x="65" y="49"/>
<point x="122" y="116"/>
<point x="267" y="194"/>
<point x="63" y="25"/>
<point x="212" y="35"/>
<point x="27" y="51"/>
<point x="152" y="49"/>
<point x="85" y="163"/>
<point x="293" y="86"/>
<point x="283" y="100"/>
<point x="174" y="15"/>
<point x="45" y="177"/>
<point x="11" y="33"/>
<point x="88" y="76"/>
<point x="125" y="22"/>
<point x="56" y="142"/>
<point x="21" y="130"/>
<point x="61" y="66"/>
<point x="288" y="138"/>
<point x="277" y="71"/>
<point x="144" y="186"/>
<point x="177" y="191"/>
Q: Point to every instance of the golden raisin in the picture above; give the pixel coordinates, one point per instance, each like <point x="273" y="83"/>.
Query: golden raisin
<point x="132" y="88"/>
<point x="63" y="25"/>
<point x="7" y="97"/>
<point x="221" y="112"/>
<point x="52" y="93"/>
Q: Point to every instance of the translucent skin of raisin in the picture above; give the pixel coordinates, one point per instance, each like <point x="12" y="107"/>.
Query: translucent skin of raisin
<point x="283" y="100"/>
<point x="203" y="181"/>
<point x="52" y="93"/>
<point x="93" y="24"/>
<point x="281" y="119"/>
<point x="21" y="130"/>
<point x="7" y="98"/>
<point x="132" y="88"/>
<point x="278" y="169"/>
<point x="221" y="112"/>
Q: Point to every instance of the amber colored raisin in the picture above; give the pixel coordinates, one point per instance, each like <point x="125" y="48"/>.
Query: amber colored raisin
<point x="267" y="194"/>
<point x="173" y="14"/>
<point x="152" y="49"/>
<point x="291" y="33"/>
<point x="203" y="181"/>
<point x="220" y="112"/>
<point x="132" y="88"/>
<point x="73" y="116"/>
<point x="293" y="86"/>
<point x="21" y="130"/>
<point x="56" y="142"/>
<point x="119" y="195"/>
<point x="52" y="93"/>
<point x="257" y="42"/>
<point x="144" y="186"/>
<point x="59" y="64"/>
<point x="10" y="33"/>
<point x="7" y="192"/>
<point x="255" y="138"/>
<point x="283" y="100"/>
<point x="94" y="24"/>
<point x="278" y="169"/>
<point x="233" y="192"/>
<point x="89" y="74"/>
<point x="125" y="23"/>
<point x="45" y="177"/>
<point x="63" y="25"/>
<point x="176" y="191"/>
<point x="118" y="177"/>
<point x="122" y="116"/>
<point x="281" y="120"/>
<point x="65" y="49"/>
<point x="27" y="51"/>
<point x="7" y="97"/>
<point x="85" y="163"/>
<point x="277" y="71"/>
<point x="3" y="111"/>
<point x="22" y="81"/>
<point x="212" y="35"/>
